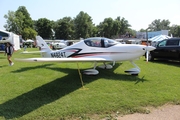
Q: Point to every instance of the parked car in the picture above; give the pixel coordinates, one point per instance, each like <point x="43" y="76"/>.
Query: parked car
<point x="166" y="49"/>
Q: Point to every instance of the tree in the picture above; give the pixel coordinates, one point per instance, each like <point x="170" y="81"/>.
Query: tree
<point x="113" y="28"/>
<point x="131" y="32"/>
<point x="83" y="25"/>
<point x="116" y="27"/>
<point x="142" y="30"/>
<point x="124" y="25"/>
<point x="44" y="28"/>
<point x="23" y="15"/>
<point x="29" y="33"/>
<point x="19" y="21"/>
<point x="64" y="28"/>
<point x="106" y="27"/>
<point x="11" y="22"/>
<point x="158" y="25"/>
<point x="175" y="30"/>
<point x="95" y="31"/>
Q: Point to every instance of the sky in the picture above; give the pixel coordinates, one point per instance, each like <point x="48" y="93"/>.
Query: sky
<point x="138" y="13"/>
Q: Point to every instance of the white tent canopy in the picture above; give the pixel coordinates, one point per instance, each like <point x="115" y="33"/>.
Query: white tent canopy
<point x="159" y="38"/>
<point x="29" y="40"/>
<point x="156" y="39"/>
<point x="10" y="37"/>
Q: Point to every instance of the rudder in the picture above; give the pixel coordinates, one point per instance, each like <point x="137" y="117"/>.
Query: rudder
<point x="42" y="44"/>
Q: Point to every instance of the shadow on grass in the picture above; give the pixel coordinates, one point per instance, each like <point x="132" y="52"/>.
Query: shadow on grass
<point x="32" y="100"/>
<point x="103" y="73"/>
<point x="24" y="69"/>
<point x="50" y="92"/>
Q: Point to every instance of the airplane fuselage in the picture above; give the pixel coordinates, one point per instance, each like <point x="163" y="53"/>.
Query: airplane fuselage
<point x="115" y="51"/>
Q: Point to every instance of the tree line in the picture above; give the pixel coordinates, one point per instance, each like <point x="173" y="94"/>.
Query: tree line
<point x="81" y="26"/>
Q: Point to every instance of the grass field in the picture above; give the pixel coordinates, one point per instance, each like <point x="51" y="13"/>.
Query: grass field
<point x="54" y="91"/>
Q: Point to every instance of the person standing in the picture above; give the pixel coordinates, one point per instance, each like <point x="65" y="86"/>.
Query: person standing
<point x="9" y="51"/>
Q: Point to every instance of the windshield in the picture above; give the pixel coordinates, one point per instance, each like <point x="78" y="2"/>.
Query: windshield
<point x="100" y="42"/>
<point x="162" y="43"/>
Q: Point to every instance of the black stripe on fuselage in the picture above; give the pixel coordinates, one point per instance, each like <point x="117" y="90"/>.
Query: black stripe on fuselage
<point x="93" y="54"/>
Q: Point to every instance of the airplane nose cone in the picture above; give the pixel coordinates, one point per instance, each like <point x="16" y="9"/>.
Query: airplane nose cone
<point x="150" y="48"/>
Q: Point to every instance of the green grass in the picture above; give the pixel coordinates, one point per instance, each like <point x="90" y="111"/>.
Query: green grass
<point x="53" y="90"/>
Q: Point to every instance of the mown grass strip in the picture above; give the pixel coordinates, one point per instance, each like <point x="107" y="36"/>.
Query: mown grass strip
<point x="53" y="90"/>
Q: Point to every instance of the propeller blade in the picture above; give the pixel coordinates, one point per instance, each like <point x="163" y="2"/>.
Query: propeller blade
<point x="148" y="49"/>
<point x="147" y="55"/>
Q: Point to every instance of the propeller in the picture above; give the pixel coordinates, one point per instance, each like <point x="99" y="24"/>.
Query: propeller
<point x="148" y="49"/>
<point x="147" y="52"/>
<point x="147" y="55"/>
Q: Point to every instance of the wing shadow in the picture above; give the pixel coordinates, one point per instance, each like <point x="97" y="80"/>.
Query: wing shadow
<point x="30" y="68"/>
<point x="45" y="94"/>
<point x="107" y="74"/>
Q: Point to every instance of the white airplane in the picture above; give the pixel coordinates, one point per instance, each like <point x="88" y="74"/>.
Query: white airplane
<point x="59" y="45"/>
<point x="95" y="49"/>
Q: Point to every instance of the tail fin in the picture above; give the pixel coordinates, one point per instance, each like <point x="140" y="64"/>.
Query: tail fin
<point x="42" y="44"/>
<point x="44" y="48"/>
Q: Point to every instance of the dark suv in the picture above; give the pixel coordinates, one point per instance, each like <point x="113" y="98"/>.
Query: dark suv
<point x="166" y="49"/>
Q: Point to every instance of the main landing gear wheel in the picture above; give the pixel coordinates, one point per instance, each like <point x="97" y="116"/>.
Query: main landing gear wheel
<point x="91" y="72"/>
<point x="133" y="71"/>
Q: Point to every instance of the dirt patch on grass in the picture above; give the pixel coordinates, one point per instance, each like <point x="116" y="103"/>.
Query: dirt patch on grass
<point x="166" y="112"/>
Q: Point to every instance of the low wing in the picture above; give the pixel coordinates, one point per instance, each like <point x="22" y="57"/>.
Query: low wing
<point x="64" y="59"/>
<point x="26" y="52"/>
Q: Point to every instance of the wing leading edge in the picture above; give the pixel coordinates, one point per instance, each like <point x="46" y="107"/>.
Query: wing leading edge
<point x="64" y="59"/>
<point x="26" y="52"/>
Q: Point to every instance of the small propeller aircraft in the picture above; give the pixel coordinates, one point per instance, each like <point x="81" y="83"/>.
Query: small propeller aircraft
<point x="95" y="49"/>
